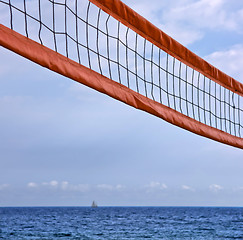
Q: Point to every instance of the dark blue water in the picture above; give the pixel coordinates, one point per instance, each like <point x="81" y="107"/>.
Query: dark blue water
<point x="121" y="223"/>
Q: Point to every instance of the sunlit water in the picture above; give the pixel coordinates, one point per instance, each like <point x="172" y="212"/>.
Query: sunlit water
<point x="121" y="223"/>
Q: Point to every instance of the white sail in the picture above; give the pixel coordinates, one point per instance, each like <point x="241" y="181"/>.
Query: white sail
<point x="94" y="204"/>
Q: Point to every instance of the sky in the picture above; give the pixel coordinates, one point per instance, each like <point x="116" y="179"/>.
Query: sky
<point x="63" y="144"/>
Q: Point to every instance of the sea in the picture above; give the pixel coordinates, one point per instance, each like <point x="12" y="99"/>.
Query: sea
<point x="121" y="223"/>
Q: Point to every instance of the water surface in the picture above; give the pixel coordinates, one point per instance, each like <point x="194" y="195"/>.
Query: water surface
<point x="121" y="223"/>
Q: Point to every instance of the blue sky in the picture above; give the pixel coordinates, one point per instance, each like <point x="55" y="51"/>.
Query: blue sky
<point x="64" y="144"/>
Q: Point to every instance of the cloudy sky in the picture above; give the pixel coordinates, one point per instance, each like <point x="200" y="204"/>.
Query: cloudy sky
<point x="64" y="144"/>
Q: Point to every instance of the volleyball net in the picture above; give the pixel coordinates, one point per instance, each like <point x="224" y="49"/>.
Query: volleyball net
<point x="107" y="46"/>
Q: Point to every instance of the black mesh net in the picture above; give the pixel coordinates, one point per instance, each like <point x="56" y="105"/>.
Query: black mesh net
<point x="86" y="34"/>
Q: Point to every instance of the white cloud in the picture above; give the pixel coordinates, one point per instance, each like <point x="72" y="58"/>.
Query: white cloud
<point x="215" y="187"/>
<point x="156" y="186"/>
<point x="185" y="187"/>
<point x="161" y="14"/>
<point x="64" y="185"/>
<point x="183" y="34"/>
<point x="148" y="11"/>
<point x="119" y="187"/>
<point x="108" y="187"/>
<point x="52" y="183"/>
<point x="203" y="14"/>
<point x="188" y="20"/>
<point x="32" y="185"/>
<point x="229" y="61"/>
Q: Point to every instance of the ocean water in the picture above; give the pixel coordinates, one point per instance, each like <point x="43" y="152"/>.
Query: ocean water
<point x="121" y="223"/>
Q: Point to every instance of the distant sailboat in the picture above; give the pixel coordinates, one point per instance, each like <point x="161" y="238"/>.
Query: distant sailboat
<point x="94" y="204"/>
